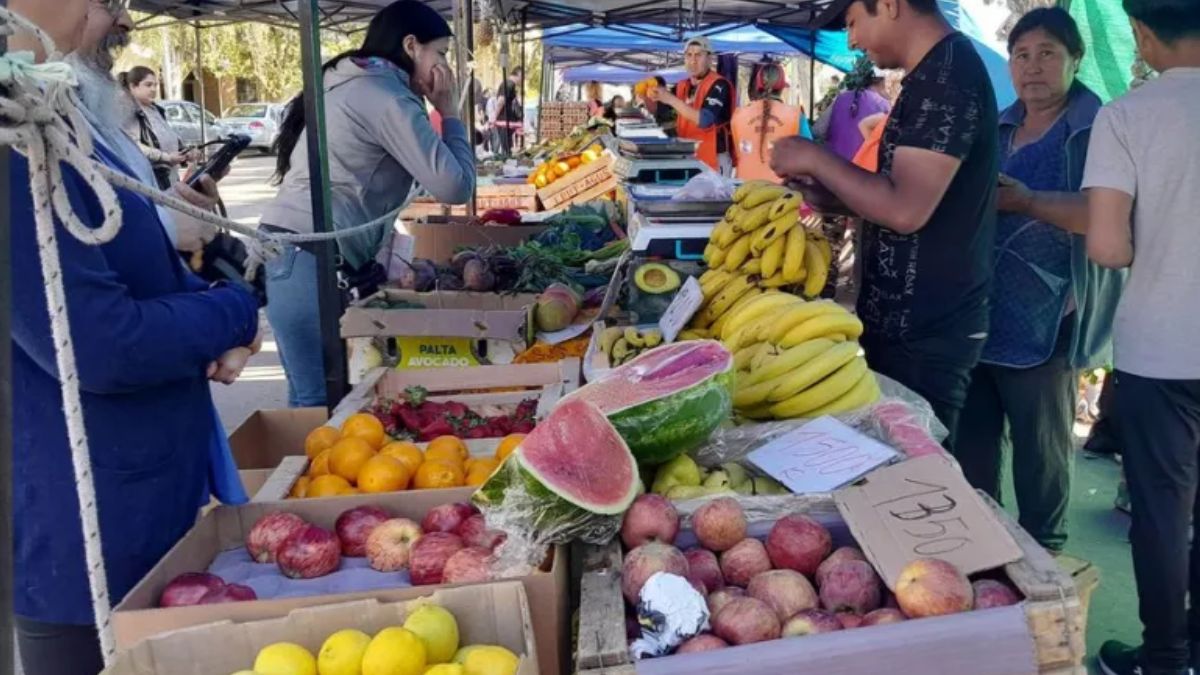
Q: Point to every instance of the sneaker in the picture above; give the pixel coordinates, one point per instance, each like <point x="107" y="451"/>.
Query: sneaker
<point x="1118" y="658"/>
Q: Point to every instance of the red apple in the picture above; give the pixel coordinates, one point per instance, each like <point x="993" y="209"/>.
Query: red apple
<point x="744" y="561"/>
<point x="309" y="553"/>
<point x="269" y="532"/>
<point x="849" y="619"/>
<point x="642" y="562"/>
<point x="720" y="598"/>
<point x="447" y="517"/>
<point x="882" y="616"/>
<point x="933" y="587"/>
<point x="719" y="524"/>
<point x="474" y="532"/>
<point x="851" y="586"/>
<point x="228" y="593"/>
<point x="428" y="557"/>
<point x="703" y="642"/>
<point x="188" y="588"/>
<point x="390" y="544"/>
<point x="470" y="565"/>
<point x="745" y="620"/>
<point x="810" y="622"/>
<point x="354" y="526"/>
<point x="990" y="593"/>
<point x="841" y="555"/>
<point x="798" y="543"/>
<point x="651" y="518"/>
<point x="786" y="591"/>
<point x="703" y="567"/>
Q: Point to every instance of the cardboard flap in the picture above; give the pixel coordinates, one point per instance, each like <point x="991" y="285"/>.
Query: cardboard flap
<point x="924" y="508"/>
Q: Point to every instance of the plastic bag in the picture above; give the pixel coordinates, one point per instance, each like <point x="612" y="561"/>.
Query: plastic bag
<point x="670" y="612"/>
<point x="707" y="186"/>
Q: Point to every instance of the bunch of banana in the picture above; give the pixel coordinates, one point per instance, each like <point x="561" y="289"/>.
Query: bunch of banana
<point x="682" y="479"/>
<point x="762" y="237"/>
<point x="621" y="345"/>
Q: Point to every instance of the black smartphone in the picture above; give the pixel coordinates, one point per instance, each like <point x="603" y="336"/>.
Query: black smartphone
<point x="222" y="158"/>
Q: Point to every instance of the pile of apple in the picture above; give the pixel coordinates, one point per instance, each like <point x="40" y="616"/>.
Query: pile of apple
<point x="793" y="584"/>
<point x="451" y="544"/>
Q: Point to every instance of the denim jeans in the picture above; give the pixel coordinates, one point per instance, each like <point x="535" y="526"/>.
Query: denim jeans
<point x="295" y="318"/>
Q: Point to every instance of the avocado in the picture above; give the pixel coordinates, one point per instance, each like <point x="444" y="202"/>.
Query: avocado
<point x="656" y="278"/>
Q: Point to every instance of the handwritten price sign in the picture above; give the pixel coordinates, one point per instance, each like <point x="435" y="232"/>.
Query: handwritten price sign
<point x="924" y="508"/>
<point x="821" y="456"/>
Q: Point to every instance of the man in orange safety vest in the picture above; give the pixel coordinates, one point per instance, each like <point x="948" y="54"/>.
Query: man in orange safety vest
<point x="704" y="102"/>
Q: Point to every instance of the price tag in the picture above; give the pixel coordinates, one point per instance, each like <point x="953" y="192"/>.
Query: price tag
<point x="685" y="303"/>
<point x="820" y="456"/>
<point x="924" y="508"/>
<point x="436" y="352"/>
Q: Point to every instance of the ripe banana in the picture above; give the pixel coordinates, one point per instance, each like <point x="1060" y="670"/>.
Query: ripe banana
<point x="711" y="274"/>
<point x="789" y="202"/>
<point x="798" y="314"/>
<point x="818" y="270"/>
<point x="766" y="353"/>
<point x="747" y="396"/>
<point x="777" y="228"/>
<point x="725" y="298"/>
<point x="732" y="213"/>
<point x="752" y="219"/>
<point x="789" y="360"/>
<point x="714" y="283"/>
<point x="760" y="306"/>
<point x="759" y="412"/>
<point x="653" y="337"/>
<point x="762" y="195"/>
<point x="845" y="323"/>
<point x="744" y="358"/>
<point x="825" y="248"/>
<point x="795" y="381"/>
<point x="773" y="257"/>
<point x="793" y="255"/>
<point x="708" y="251"/>
<point x="824" y="392"/>
<point x="717" y="257"/>
<point x="744" y="337"/>
<point x="864" y="392"/>
<point x="634" y="338"/>
<point x="744" y="190"/>
<point x="776" y="281"/>
<point x="718" y="326"/>
<point x="752" y="267"/>
<point x="737" y="253"/>
<point x="692" y="334"/>
<point x="721" y="232"/>
<point x="609" y="337"/>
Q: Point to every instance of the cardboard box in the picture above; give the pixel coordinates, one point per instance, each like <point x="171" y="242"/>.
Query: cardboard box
<point x="583" y="183"/>
<point x="438" y="239"/>
<point x="267" y="436"/>
<point x="138" y="617"/>
<point x="480" y="316"/>
<point x="493" y="614"/>
<point x="520" y="197"/>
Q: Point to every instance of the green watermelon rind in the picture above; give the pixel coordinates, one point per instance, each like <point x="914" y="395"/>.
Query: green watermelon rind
<point x="660" y="430"/>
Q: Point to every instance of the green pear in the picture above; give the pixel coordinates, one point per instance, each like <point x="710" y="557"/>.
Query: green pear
<point x="717" y="478"/>
<point x="769" y="486"/>
<point x="737" y="473"/>
<point x="686" y="492"/>
<point x="682" y="470"/>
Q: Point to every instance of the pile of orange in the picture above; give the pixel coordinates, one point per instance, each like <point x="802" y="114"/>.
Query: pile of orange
<point x="360" y="458"/>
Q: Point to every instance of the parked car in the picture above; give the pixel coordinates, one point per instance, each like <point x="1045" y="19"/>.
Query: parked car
<point x="184" y="117"/>
<point x="260" y="121"/>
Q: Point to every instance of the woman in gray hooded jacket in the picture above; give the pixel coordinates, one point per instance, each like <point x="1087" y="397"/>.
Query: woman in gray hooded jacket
<point x="380" y="141"/>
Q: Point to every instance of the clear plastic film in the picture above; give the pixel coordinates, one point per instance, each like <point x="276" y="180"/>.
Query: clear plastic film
<point x="670" y="611"/>
<point x="707" y="186"/>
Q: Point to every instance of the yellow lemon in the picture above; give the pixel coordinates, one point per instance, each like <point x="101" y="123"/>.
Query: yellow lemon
<point x="461" y="655"/>
<point x="285" y="658"/>
<point x="438" y="629"/>
<point x="394" y="651"/>
<point x="490" y="660"/>
<point x="445" y="669"/>
<point x="342" y="653"/>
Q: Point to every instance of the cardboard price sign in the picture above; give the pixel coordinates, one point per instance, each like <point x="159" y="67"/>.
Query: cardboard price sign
<point x="924" y="508"/>
<point x="820" y="456"/>
<point x="685" y="303"/>
<point x="425" y="352"/>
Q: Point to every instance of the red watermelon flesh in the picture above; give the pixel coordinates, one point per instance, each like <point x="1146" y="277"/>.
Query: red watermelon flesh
<point x="659" y="372"/>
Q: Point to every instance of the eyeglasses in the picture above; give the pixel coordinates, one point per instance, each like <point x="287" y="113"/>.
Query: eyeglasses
<point x="113" y="7"/>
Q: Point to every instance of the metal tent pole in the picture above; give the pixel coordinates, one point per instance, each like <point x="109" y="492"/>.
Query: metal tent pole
<point x="524" y="22"/>
<point x="464" y="16"/>
<point x="200" y="85"/>
<point x="812" y="86"/>
<point x="329" y="298"/>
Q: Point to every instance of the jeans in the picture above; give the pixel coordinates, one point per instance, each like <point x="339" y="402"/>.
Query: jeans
<point x="1159" y="422"/>
<point x="295" y="318"/>
<point x="1030" y="412"/>
<point x="58" y="649"/>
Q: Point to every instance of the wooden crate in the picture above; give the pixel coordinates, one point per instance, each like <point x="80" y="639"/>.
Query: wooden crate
<point x="522" y="197"/>
<point x="1049" y="625"/>
<point x="593" y="179"/>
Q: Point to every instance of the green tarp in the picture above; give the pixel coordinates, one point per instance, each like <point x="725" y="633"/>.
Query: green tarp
<point x="1108" y="64"/>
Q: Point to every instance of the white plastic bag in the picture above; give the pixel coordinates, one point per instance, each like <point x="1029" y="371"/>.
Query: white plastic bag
<point x="708" y="186"/>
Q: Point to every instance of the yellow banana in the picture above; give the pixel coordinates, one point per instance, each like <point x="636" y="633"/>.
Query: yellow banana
<point x="732" y="213"/>
<point x="818" y="270"/>
<point x="717" y="257"/>
<point x="752" y="395"/>
<point x="864" y="392"/>
<point x="798" y="314"/>
<point x="774" y="282"/>
<point x="793" y="255"/>
<point x="752" y="267"/>
<point x="752" y="219"/>
<point x="758" y="412"/>
<point x="798" y="379"/>
<point x="710" y="274"/>
<point x="709" y="287"/>
<point x="826" y="249"/>
<point x="845" y="323"/>
<point x="737" y="253"/>
<point x="772" y="257"/>
<point x="726" y="297"/>
<point x="789" y="202"/>
<point x="720" y="233"/>
<point x="777" y="228"/>
<point x="634" y="337"/>
<point x="824" y="392"/>
<point x="743" y="359"/>
<point x="744" y="190"/>
<point x="692" y="334"/>
<point x="762" y="195"/>
<point x="745" y="336"/>
<point x="708" y="251"/>
<point x="789" y="360"/>
<point x="750" y="313"/>
<point x="718" y="327"/>
<point x="766" y="353"/>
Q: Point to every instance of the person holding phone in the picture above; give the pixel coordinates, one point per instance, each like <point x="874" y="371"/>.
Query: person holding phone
<point x="149" y="127"/>
<point x="380" y="142"/>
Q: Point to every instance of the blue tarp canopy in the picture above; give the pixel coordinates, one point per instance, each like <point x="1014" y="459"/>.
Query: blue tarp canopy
<point x="601" y="72"/>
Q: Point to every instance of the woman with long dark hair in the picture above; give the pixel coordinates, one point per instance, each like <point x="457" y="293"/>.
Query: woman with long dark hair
<point x="757" y="126"/>
<point x="157" y="140"/>
<point x="380" y="142"/>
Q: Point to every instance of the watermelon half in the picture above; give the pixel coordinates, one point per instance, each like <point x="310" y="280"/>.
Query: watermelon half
<point x="571" y="478"/>
<point x="668" y="400"/>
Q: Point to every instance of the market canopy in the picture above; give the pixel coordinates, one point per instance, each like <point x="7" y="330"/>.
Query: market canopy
<point x="1110" y="50"/>
<point x="600" y="72"/>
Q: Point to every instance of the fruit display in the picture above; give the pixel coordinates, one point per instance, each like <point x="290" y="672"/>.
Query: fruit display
<point x="645" y="87"/>
<point x="202" y="588"/>
<point x="428" y="642"/>
<point x="793" y="583"/>
<point x="623" y="344"/>
<point x="560" y="165"/>
<point x="761" y="244"/>
<point x="556" y="308"/>
<point x="666" y="401"/>
<point x="414" y="416"/>
<point x="682" y="478"/>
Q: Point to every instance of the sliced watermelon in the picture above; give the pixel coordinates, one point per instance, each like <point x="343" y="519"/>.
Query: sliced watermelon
<point x="668" y="400"/>
<point x="571" y="477"/>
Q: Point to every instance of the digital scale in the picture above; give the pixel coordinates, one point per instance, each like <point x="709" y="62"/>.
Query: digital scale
<point x="658" y="171"/>
<point x="661" y="226"/>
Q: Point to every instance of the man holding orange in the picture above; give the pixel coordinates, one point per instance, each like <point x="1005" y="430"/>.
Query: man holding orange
<point x="704" y="103"/>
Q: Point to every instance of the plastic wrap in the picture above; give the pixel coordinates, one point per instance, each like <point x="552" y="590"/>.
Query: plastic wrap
<point x="670" y="611"/>
<point x="707" y="186"/>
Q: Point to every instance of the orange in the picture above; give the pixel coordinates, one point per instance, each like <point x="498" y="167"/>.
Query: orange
<point x="479" y="473"/>
<point x="438" y="474"/>
<point x="349" y="491"/>
<point x="321" y="438"/>
<point x="481" y="464"/>
<point x="327" y="486"/>
<point x="300" y="488"/>
<point x="320" y="465"/>
<point x="451" y="442"/>
<point x="406" y="452"/>
<point x="383" y="474"/>
<point x="507" y="446"/>
<point x="446" y="454"/>
<point x="367" y="427"/>
<point x="347" y="458"/>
